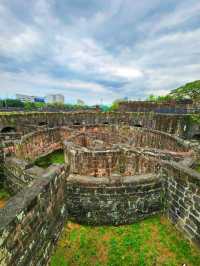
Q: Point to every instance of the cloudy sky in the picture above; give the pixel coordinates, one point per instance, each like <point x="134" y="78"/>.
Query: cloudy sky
<point x="98" y="50"/>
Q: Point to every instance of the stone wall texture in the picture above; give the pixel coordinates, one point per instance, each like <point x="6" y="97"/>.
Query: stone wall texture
<point x="99" y="201"/>
<point x="27" y="122"/>
<point x="183" y="199"/>
<point x="32" y="221"/>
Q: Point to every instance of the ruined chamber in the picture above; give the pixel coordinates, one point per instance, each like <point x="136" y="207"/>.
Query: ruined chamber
<point x="115" y="174"/>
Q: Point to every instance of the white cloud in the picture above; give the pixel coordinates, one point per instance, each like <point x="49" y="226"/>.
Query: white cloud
<point x="42" y="84"/>
<point x="155" y="56"/>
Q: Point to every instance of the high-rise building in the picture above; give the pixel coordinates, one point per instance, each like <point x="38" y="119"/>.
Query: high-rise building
<point x="55" y="98"/>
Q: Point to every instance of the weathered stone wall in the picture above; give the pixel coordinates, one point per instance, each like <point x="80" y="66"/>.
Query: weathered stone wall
<point x="182" y="186"/>
<point x="1" y="166"/>
<point x="120" y="161"/>
<point x="134" y="136"/>
<point x="19" y="173"/>
<point x="27" y="122"/>
<point x="162" y="107"/>
<point x="32" y="221"/>
<point x="99" y="201"/>
<point x="40" y="143"/>
<point x="10" y="136"/>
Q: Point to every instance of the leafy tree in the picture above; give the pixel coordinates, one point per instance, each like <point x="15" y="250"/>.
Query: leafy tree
<point x="39" y="105"/>
<point x="80" y="102"/>
<point x="11" y="103"/>
<point x="28" y="106"/>
<point x="152" y="98"/>
<point x="188" y="91"/>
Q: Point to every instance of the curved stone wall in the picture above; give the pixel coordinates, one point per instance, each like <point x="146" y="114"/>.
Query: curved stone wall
<point x="27" y="122"/>
<point x="98" y="201"/>
<point x="46" y="140"/>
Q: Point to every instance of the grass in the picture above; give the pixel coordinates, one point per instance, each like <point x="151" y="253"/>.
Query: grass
<point x="4" y="196"/>
<point x="151" y="242"/>
<point x="54" y="157"/>
<point x="197" y="168"/>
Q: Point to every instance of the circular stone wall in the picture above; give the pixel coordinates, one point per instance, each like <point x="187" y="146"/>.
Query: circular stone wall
<point x="100" y="201"/>
<point x="114" y="170"/>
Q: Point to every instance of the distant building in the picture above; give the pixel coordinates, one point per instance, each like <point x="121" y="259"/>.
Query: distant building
<point x="25" y="98"/>
<point x="55" y="98"/>
<point x="39" y="100"/>
<point x="28" y="98"/>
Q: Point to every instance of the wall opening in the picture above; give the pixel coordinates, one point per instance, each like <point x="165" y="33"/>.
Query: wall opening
<point x="196" y="136"/>
<point x="137" y="125"/>
<point x="42" y="124"/>
<point x="8" y="130"/>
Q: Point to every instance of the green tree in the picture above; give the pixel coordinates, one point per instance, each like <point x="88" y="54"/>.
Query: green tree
<point x="152" y="98"/>
<point x="188" y="91"/>
<point x="11" y="103"/>
<point x="28" y="106"/>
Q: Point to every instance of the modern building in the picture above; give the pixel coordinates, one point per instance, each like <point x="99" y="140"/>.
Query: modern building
<point x="55" y="98"/>
<point x="28" y="98"/>
<point x="25" y="98"/>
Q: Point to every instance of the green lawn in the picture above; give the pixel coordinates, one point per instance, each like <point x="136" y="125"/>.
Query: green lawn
<point x="54" y="157"/>
<point x="153" y="241"/>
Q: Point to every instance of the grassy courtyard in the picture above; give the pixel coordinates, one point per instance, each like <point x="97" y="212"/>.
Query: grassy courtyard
<point x="54" y="157"/>
<point x="153" y="241"/>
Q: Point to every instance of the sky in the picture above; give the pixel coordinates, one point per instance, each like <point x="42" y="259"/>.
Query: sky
<point x="98" y="50"/>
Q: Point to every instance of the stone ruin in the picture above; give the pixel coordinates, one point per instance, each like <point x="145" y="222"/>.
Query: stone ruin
<point x="115" y="172"/>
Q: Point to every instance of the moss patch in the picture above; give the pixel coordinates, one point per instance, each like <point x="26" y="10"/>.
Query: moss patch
<point x="151" y="242"/>
<point x="54" y="157"/>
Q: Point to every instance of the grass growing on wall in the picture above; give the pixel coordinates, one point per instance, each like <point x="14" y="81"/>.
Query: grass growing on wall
<point x="197" y="168"/>
<point x="153" y="241"/>
<point x="54" y="157"/>
<point x="4" y="196"/>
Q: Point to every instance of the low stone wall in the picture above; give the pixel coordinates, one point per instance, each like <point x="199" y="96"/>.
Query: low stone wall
<point x="172" y="107"/>
<point x="19" y="173"/>
<point x="32" y="221"/>
<point x="10" y="136"/>
<point x="182" y="186"/>
<point x="98" y="201"/>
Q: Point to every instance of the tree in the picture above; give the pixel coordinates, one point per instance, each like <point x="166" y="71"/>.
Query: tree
<point x="80" y="102"/>
<point x="28" y="106"/>
<point x="188" y="91"/>
<point x="12" y="103"/>
<point x="152" y="98"/>
<point x="115" y="104"/>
